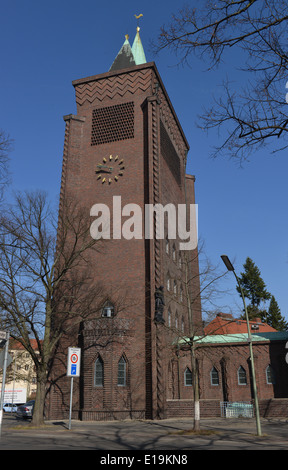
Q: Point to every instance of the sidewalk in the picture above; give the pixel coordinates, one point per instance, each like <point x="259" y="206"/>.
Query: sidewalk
<point x="170" y="435"/>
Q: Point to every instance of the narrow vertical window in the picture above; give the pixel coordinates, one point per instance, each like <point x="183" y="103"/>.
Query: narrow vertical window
<point x="175" y="287"/>
<point x="99" y="373"/>
<point x="168" y="284"/>
<point x="242" y="378"/>
<point x="270" y="375"/>
<point x="182" y="325"/>
<point x="214" y="376"/>
<point x="174" y="253"/>
<point x="188" y="377"/>
<point x="122" y="372"/>
<point x="167" y="245"/>
<point x="169" y="318"/>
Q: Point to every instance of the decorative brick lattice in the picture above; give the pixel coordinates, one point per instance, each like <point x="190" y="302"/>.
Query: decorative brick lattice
<point x="112" y="123"/>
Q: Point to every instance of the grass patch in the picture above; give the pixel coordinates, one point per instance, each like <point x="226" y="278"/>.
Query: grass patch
<point x="26" y="427"/>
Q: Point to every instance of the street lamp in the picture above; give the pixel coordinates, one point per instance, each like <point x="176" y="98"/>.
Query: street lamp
<point x="230" y="267"/>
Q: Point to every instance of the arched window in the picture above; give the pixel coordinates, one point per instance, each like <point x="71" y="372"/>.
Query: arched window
<point x="270" y="378"/>
<point x="176" y="320"/>
<point x="188" y="381"/>
<point x="242" y="378"/>
<point x="214" y="376"/>
<point x="99" y="372"/>
<point x="108" y="310"/>
<point x="122" y="372"/>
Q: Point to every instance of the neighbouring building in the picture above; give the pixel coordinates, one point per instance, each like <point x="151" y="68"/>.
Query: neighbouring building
<point x="225" y="323"/>
<point x="21" y="382"/>
<point x="225" y="369"/>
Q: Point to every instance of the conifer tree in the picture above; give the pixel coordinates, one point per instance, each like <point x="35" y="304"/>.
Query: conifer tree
<point x="274" y="317"/>
<point x="254" y="289"/>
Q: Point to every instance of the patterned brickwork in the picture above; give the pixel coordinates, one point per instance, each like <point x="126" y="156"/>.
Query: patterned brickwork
<point x="115" y="86"/>
<point x="171" y="125"/>
<point x="156" y="195"/>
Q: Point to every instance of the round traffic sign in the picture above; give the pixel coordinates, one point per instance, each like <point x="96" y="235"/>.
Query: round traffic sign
<point x="74" y="358"/>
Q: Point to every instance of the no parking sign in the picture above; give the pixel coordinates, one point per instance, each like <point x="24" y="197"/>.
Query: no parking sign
<point x="73" y="363"/>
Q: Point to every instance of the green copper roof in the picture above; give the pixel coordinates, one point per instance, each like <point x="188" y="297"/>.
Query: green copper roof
<point x="124" y="58"/>
<point x="138" y="50"/>
<point x="238" y="338"/>
<point x="127" y="56"/>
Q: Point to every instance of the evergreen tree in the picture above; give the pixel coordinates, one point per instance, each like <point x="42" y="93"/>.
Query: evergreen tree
<point x="274" y="317"/>
<point x="254" y="289"/>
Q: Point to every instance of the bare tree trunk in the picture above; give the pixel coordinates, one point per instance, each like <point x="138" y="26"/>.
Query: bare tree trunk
<point x="195" y="389"/>
<point x="192" y="346"/>
<point x="47" y="286"/>
<point x="38" y="411"/>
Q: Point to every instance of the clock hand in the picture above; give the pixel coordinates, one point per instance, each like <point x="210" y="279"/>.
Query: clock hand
<point x="105" y="168"/>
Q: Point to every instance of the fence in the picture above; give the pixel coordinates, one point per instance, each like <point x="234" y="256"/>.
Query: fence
<point x="236" y="409"/>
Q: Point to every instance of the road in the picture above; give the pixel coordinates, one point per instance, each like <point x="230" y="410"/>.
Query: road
<point x="169" y="435"/>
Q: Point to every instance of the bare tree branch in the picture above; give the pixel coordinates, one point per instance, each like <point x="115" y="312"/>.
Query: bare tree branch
<point x="43" y="294"/>
<point x="257" y="115"/>
<point x="5" y="148"/>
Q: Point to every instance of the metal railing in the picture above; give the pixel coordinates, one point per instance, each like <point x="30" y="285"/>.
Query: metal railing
<point x="236" y="409"/>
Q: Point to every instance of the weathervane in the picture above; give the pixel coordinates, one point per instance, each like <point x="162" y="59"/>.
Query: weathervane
<point x="137" y="18"/>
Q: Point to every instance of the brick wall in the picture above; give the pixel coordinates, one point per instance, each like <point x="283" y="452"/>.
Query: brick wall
<point x="129" y="270"/>
<point x="273" y="408"/>
<point x="226" y="359"/>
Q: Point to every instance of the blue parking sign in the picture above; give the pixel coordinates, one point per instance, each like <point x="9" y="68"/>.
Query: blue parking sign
<point x="74" y="360"/>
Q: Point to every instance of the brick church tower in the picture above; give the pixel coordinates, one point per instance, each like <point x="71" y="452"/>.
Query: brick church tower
<point x="126" y="141"/>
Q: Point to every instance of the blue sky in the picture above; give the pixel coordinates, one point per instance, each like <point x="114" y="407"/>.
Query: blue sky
<point x="46" y="45"/>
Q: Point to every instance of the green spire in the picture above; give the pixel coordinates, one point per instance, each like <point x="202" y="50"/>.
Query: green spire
<point x="138" y="50"/>
<point x="125" y="58"/>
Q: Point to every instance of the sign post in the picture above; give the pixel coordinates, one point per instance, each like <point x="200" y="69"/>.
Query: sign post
<point x="4" y="336"/>
<point x="73" y="370"/>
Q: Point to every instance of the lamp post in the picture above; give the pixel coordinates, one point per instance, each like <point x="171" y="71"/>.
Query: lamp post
<point x="230" y="267"/>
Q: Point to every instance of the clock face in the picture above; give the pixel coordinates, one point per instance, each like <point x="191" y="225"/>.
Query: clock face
<point x="110" y="169"/>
